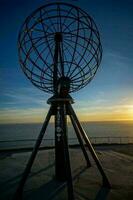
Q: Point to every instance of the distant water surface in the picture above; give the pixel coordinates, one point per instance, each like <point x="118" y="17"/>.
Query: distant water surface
<point x="93" y="129"/>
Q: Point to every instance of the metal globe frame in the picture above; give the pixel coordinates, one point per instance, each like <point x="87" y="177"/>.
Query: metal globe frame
<point x="79" y="48"/>
<point x="60" y="52"/>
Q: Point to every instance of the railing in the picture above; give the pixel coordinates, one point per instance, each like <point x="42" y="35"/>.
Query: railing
<point x="29" y="143"/>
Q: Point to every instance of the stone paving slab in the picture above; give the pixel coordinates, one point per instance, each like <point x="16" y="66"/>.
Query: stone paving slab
<point x="88" y="185"/>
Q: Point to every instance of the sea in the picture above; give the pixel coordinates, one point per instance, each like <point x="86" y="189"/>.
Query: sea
<point x="99" y="132"/>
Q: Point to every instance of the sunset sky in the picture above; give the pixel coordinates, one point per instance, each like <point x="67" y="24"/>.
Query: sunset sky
<point x="108" y="97"/>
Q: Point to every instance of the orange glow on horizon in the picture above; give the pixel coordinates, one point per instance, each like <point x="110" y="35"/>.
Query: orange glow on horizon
<point x="116" y="113"/>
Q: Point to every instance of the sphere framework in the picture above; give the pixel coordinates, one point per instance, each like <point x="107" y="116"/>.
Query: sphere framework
<point x="80" y="46"/>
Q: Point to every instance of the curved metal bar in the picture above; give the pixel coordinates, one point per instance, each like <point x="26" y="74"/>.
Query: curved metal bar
<point x="80" y="51"/>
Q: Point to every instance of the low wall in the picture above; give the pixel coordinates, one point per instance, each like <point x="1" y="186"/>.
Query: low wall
<point x="29" y="143"/>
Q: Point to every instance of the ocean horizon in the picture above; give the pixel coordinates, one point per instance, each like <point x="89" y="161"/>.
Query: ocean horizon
<point x="93" y="129"/>
<point x="25" y="134"/>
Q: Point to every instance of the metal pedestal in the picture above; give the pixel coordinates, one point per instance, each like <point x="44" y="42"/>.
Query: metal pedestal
<point x="60" y="108"/>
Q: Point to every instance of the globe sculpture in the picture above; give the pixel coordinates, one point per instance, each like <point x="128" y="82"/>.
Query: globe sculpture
<point x="68" y="29"/>
<point x="60" y="52"/>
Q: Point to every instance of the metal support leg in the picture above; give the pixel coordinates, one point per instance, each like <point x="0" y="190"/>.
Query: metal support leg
<point x="19" y="191"/>
<point x="106" y="182"/>
<point x="66" y="153"/>
<point x="80" y="141"/>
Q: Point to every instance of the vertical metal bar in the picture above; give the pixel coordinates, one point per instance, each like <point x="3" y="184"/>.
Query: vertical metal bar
<point x="55" y="71"/>
<point x="26" y="172"/>
<point x="66" y="153"/>
<point x="60" y="168"/>
<point x="106" y="182"/>
<point x="80" y="141"/>
<point x="57" y="55"/>
<point x="61" y="58"/>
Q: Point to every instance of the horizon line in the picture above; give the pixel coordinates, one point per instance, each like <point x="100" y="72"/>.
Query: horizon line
<point x="82" y="121"/>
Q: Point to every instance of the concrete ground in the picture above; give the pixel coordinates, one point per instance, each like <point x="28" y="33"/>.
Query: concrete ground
<point x="87" y="183"/>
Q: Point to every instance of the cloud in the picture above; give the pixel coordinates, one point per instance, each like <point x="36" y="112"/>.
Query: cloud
<point x="22" y="98"/>
<point x="111" y="55"/>
<point x="22" y="115"/>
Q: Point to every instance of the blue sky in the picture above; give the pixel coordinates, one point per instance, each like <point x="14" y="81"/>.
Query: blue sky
<point x="109" y="96"/>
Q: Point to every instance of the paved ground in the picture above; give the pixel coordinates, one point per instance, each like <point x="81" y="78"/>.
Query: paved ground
<point x="87" y="185"/>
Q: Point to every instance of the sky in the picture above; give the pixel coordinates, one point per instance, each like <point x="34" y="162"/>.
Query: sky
<point x="108" y="97"/>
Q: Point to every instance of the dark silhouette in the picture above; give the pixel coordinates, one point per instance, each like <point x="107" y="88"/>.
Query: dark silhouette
<point x="60" y="52"/>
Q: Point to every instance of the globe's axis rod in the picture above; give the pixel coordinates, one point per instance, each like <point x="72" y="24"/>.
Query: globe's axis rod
<point x="57" y="59"/>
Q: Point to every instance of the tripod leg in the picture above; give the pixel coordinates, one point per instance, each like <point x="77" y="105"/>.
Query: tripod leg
<point x="106" y="182"/>
<point x="80" y="141"/>
<point x="19" y="191"/>
<point x="66" y="153"/>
